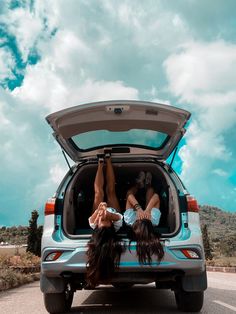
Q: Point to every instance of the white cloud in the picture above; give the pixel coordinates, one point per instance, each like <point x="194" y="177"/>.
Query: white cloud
<point x="67" y="51"/>
<point x="57" y="172"/>
<point x="42" y="87"/>
<point x="53" y="91"/>
<point x="153" y="95"/>
<point x="205" y="143"/>
<point x="32" y="164"/>
<point x="150" y="25"/>
<point x="7" y="64"/>
<point x="4" y="121"/>
<point x="102" y="90"/>
<point x="220" y="172"/>
<point x="202" y="75"/>
<point x="178" y="22"/>
<point x="200" y="71"/>
<point x="25" y="26"/>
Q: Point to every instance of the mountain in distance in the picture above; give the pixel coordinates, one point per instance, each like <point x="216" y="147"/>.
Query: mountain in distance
<point x="219" y="223"/>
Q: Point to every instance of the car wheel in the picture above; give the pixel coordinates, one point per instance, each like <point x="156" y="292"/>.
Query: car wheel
<point x="59" y="302"/>
<point x="189" y="301"/>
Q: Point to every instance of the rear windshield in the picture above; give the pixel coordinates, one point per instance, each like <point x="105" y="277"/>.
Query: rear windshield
<point x="133" y="137"/>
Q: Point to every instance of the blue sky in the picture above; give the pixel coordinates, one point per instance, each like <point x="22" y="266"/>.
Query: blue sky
<point x="57" y="54"/>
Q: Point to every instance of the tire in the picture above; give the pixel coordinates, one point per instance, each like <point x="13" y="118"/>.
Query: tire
<point x="189" y="301"/>
<point x="59" y="302"/>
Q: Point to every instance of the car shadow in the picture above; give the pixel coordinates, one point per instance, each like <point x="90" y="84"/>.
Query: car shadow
<point x="135" y="300"/>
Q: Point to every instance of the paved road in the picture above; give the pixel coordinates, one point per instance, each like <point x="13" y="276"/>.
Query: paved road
<point x="220" y="298"/>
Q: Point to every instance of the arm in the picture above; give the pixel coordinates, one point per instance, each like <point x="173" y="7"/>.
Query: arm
<point x="98" y="213"/>
<point x="133" y="203"/>
<point x="153" y="202"/>
<point x="94" y="216"/>
<point x="94" y="219"/>
<point x="112" y="216"/>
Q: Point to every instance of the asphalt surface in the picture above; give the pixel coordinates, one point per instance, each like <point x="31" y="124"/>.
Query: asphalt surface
<point x="220" y="298"/>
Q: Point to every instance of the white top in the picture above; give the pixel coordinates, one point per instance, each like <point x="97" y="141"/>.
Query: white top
<point x="117" y="223"/>
<point x="130" y="216"/>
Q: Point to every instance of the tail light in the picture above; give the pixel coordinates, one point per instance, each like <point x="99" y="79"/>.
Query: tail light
<point x="50" y="206"/>
<point x="192" y="204"/>
<point x="187" y="253"/>
<point x="53" y="256"/>
<point x="191" y="254"/>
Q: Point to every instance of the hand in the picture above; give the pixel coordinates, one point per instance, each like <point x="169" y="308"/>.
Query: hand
<point x="103" y="216"/>
<point x="102" y="206"/>
<point x="147" y="215"/>
<point x="100" y="212"/>
<point x="140" y="213"/>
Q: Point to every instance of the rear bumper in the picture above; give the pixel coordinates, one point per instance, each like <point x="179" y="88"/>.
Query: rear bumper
<point x="74" y="261"/>
<point x="174" y="271"/>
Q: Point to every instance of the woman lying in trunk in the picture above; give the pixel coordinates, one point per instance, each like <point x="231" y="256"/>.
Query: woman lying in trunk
<point x="104" y="249"/>
<point x="143" y="221"/>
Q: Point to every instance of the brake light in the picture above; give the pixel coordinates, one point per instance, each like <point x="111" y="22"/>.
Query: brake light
<point x="190" y="253"/>
<point x="50" y="206"/>
<point x="192" y="204"/>
<point x="53" y="256"/>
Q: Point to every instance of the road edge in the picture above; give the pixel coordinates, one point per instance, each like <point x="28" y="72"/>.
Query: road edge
<point x="223" y="269"/>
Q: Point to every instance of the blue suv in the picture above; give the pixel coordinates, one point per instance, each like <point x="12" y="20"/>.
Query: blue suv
<point x="140" y="136"/>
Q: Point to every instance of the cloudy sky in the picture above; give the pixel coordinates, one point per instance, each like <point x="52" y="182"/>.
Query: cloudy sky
<point x="57" y="54"/>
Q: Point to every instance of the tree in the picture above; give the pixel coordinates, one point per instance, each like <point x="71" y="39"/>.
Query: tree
<point x="206" y="243"/>
<point x="228" y="245"/>
<point x="34" y="235"/>
<point x="39" y="238"/>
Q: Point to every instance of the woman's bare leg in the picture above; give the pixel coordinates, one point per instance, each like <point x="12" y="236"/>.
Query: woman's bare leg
<point x="152" y="199"/>
<point x="98" y="186"/>
<point x="112" y="200"/>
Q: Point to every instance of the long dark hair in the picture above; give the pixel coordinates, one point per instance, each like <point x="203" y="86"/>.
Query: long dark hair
<point x="104" y="251"/>
<point x="148" y="241"/>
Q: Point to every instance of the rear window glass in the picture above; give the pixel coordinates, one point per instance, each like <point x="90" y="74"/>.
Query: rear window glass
<point x="133" y="137"/>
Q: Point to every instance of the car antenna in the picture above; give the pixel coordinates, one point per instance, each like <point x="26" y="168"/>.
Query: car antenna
<point x="175" y="151"/>
<point x="67" y="161"/>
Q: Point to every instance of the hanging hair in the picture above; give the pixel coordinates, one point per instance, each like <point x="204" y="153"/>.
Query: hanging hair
<point x="104" y="251"/>
<point x="147" y="241"/>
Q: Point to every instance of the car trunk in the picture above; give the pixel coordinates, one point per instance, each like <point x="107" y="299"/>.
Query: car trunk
<point x="79" y="195"/>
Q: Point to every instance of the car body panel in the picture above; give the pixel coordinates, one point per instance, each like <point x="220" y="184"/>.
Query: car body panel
<point x="119" y="116"/>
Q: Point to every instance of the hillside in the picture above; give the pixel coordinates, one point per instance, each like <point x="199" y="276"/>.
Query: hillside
<point x="219" y="222"/>
<point x="221" y="232"/>
<point x="14" y="235"/>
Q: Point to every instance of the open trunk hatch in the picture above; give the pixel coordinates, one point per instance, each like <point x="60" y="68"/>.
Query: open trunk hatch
<point x="138" y="127"/>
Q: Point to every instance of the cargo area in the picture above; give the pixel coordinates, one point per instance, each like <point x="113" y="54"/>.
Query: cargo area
<point x="79" y="196"/>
